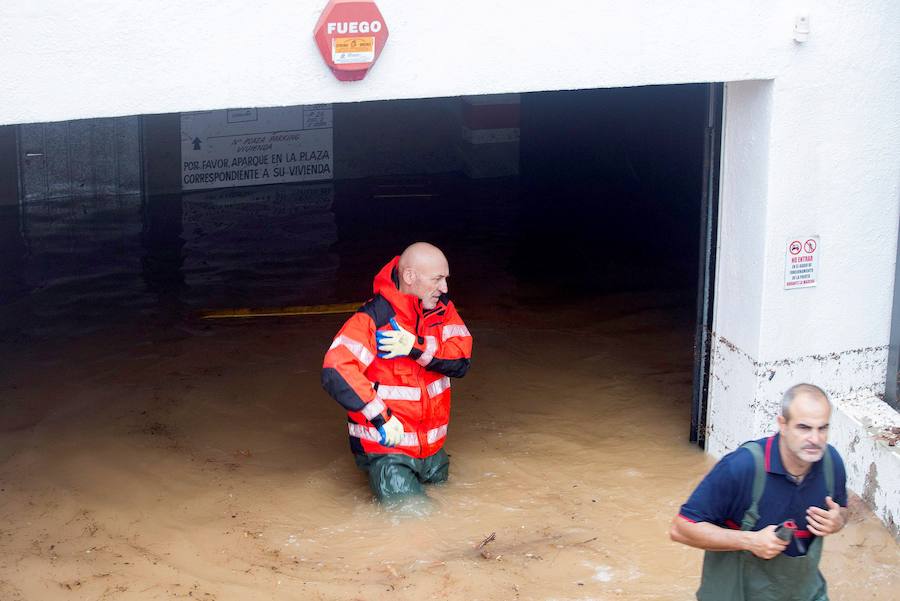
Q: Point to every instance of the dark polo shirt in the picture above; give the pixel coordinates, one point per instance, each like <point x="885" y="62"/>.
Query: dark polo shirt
<point x="725" y="493"/>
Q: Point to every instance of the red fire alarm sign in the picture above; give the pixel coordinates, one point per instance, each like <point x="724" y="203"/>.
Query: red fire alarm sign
<point x="350" y="35"/>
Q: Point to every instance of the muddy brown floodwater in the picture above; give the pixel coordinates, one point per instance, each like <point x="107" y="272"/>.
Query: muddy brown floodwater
<point x="203" y="461"/>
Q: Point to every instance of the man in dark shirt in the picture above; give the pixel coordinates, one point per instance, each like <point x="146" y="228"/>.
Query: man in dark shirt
<point x="795" y="478"/>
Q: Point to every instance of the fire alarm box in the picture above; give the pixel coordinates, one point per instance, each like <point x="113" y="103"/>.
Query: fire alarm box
<point x="350" y="35"/>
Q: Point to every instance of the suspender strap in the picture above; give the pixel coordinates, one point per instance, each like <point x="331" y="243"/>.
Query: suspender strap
<point x="751" y="516"/>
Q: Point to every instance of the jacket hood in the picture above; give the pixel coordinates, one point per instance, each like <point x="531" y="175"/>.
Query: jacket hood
<point x="387" y="284"/>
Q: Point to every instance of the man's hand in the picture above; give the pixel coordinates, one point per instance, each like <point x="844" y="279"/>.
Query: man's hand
<point x="394" y="343"/>
<point x="765" y="544"/>
<point x="821" y="522"/>
<point x="391" y="432"/>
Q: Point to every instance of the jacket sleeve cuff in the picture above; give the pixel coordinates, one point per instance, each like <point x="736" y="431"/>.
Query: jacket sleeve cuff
<point x="423" y="352"/>
<point x="376" y="412"/>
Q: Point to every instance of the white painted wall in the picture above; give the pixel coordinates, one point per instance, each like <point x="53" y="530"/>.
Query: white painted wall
<point x="812" y="143"/>
<point x="108" y="57"/>
<point x="815" y="150"/>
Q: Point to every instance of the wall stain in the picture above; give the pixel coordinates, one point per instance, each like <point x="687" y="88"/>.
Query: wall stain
<point x="892" y="526"/>
<point x="724" y="351"/>
<point x="765" y="369"/>
<point x="870" y="486"/>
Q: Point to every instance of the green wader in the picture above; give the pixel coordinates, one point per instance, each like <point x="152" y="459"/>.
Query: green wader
<point x="396" y="475"/>
<point x="742" y="576"/>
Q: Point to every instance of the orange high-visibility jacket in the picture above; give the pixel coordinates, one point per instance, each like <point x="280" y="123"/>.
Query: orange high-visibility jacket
<point x="415" y="389"/>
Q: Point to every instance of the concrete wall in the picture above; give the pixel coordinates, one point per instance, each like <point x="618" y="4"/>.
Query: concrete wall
<point x="84" y="158"/>
<point x="392" y="138"/>
<point x="9" y="176"/>
<point x="812" y="142"/>
<point x="108" y="58"/>
<point x="813" y="151"/>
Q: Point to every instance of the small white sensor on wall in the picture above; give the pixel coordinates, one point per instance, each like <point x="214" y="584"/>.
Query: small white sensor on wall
<point x="801" y="28"/>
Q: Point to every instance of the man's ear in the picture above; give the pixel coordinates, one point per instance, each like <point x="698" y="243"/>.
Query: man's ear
<point x="409" y="276"/>
<point x="781" y="422"/>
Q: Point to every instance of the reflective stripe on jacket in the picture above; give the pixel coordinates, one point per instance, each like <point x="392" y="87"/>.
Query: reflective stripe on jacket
<point x="415" y="389"/>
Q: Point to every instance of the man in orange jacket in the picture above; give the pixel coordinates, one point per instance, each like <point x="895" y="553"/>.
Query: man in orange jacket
<point x="390" y="367"/>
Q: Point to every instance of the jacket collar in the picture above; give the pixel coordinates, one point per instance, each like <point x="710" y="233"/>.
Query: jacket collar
<point x="387" y="283"/>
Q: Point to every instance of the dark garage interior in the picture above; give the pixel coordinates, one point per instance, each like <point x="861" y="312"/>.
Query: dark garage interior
<point x="606" y="199"/>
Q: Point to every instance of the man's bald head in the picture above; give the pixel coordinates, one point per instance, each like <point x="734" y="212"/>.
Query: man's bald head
<point x="420" y="253"/>
<point x="423" y="272"/>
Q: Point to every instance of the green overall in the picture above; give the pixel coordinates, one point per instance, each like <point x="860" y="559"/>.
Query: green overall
<point x="742" y="576"/>
<point x="397" y="475"/>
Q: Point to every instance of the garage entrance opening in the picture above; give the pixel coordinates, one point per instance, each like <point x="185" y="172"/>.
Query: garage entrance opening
<point x="146" y="453"/>
<point x="541" y="200"/>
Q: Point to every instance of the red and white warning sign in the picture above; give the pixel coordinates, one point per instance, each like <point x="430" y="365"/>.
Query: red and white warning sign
<point x="801" y="266"/>
<point x="350" y="35"/>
